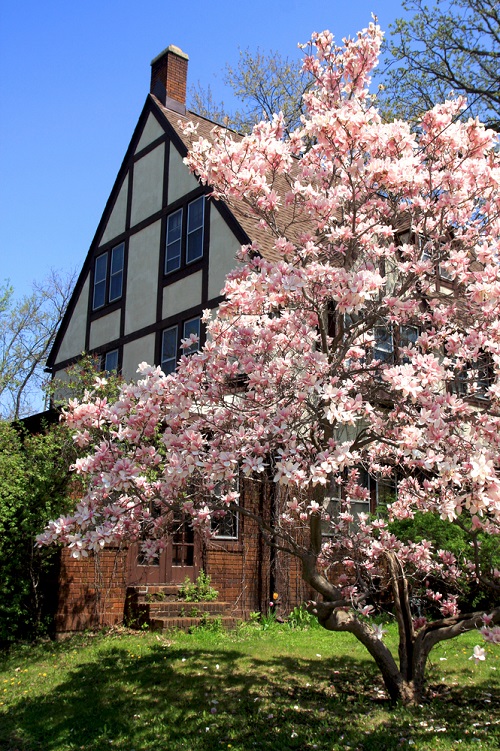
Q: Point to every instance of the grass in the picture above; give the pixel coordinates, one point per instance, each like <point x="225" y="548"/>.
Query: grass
<point x="278" y="689"/>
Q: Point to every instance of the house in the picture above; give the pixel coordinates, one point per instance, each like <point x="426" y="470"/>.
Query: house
<point x="158" y="259"/>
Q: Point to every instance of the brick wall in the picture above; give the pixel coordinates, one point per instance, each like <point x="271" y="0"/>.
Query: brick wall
<point x="91" y="591"/>
<point x="169" y="76"/>
<point x="247" y="572"/>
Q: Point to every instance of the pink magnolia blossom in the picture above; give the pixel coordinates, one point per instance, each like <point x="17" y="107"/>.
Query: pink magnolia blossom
<point x="478" y="655"/>
<point x="360" y="343"/>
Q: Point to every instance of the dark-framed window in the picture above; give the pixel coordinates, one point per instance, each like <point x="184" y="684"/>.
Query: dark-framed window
<point x="195" y="222"/>
<point x="110" y="361"/>
<point x="381" y="491"/>
<point x="173" y="242"/>
<point x="171" y="338"/>
<point x="475" y="378"/>
<point x="388" y="340"/>
<point x="192" y="326"/>
<point x="185" y="232"/>
<point x="108" y="276"/>
<point x="225" y="527"/>
<point x="169" y="349"/>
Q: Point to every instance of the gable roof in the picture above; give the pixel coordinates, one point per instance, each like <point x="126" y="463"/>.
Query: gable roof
<point x="245" y="218"/>
<point x="247" y="228"/>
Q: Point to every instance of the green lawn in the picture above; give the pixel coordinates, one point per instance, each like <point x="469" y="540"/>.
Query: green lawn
<point x="276" y="689"/>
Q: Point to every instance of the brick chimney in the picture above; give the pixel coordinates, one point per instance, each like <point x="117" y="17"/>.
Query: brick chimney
<point x="169" y="78"/>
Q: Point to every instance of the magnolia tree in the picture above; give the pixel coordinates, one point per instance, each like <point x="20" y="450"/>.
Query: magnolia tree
<point x="363" y="339"/>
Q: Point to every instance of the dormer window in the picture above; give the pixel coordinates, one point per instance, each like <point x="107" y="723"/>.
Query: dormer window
<point x="108" y="277"/>
<point x="185" y="235"/>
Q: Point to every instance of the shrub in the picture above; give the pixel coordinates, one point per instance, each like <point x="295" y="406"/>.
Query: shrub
<point x="33" y="489"/>
<point x="446" y="536"/>
<point x="198" y="591"/>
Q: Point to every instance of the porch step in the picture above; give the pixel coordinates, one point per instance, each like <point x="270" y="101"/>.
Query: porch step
<point x="187" y="623"/>
<point x="183" y="608"/>
<point x="152" y="592"/>
<point x="159" y="607"/>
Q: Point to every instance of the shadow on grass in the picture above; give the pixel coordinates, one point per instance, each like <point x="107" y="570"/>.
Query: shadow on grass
<point x="178" y="697"/>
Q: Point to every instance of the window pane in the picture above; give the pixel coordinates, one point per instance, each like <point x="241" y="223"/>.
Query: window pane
<point x="192" y="327"/>
<point x="409" y="335"/>
<point x="169" y="350"/>
<point x="117" y="255"/>
<point x="386" y="491"/>
<point x="116" y="280"/>
<point x="100" y="270"/>
<point x="174" y="238"/>
<point x="111" y="361"/>
<point x="196" y="211"/>
<point x="383" y="348"/>
<point x="99" y="295"/>
<point x="226" y="526"/>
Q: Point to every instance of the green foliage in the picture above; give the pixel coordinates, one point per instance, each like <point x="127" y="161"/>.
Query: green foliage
<point x="268" y="620"/>
<point x="198" y="591"/>
<point x="209" y="624"/>
<point x="80" y="379"/>
<point x="452" y="45"/>
<point x="447" y="536"/>
<point x="300" y="618"/>
<point x="33" y="490"/>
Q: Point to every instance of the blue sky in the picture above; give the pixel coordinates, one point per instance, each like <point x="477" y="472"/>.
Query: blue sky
<point x="73" y="81"/>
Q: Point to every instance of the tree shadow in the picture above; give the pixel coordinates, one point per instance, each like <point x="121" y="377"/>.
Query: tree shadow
<point x="177" y="697"/>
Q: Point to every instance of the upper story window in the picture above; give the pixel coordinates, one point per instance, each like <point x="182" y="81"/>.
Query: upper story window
<point x="108" y="277"/>
<point x="196" y="214"/>
<point x="475" y="378"/>
<point x="193" y="326"/>
<point x="171" y="343"/>
<point x="185" y="235"/>
<point x="429" y="253"/>
<point x="110" y="361"/>
<point x="388" y="340"/>
<point x="174" y="242"/>
<point x="169" y="349"/>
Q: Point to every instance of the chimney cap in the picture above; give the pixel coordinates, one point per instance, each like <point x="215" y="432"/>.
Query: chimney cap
<point x="173" y="49"/>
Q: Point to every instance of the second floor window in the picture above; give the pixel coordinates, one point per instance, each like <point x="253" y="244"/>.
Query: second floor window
<point x="185" y="235"/>
<point x="388" y="340"/>
<point x="110" y="361"/>
<point x="108" y="277"/>
<point x="475" y="378"/>
<point x="171" y="343"/>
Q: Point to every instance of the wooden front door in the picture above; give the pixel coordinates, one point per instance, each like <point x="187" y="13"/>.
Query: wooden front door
<point x="179" y="559"/>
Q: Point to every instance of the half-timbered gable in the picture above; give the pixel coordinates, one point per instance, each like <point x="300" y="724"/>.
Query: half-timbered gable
<point x="159" y="258"/>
